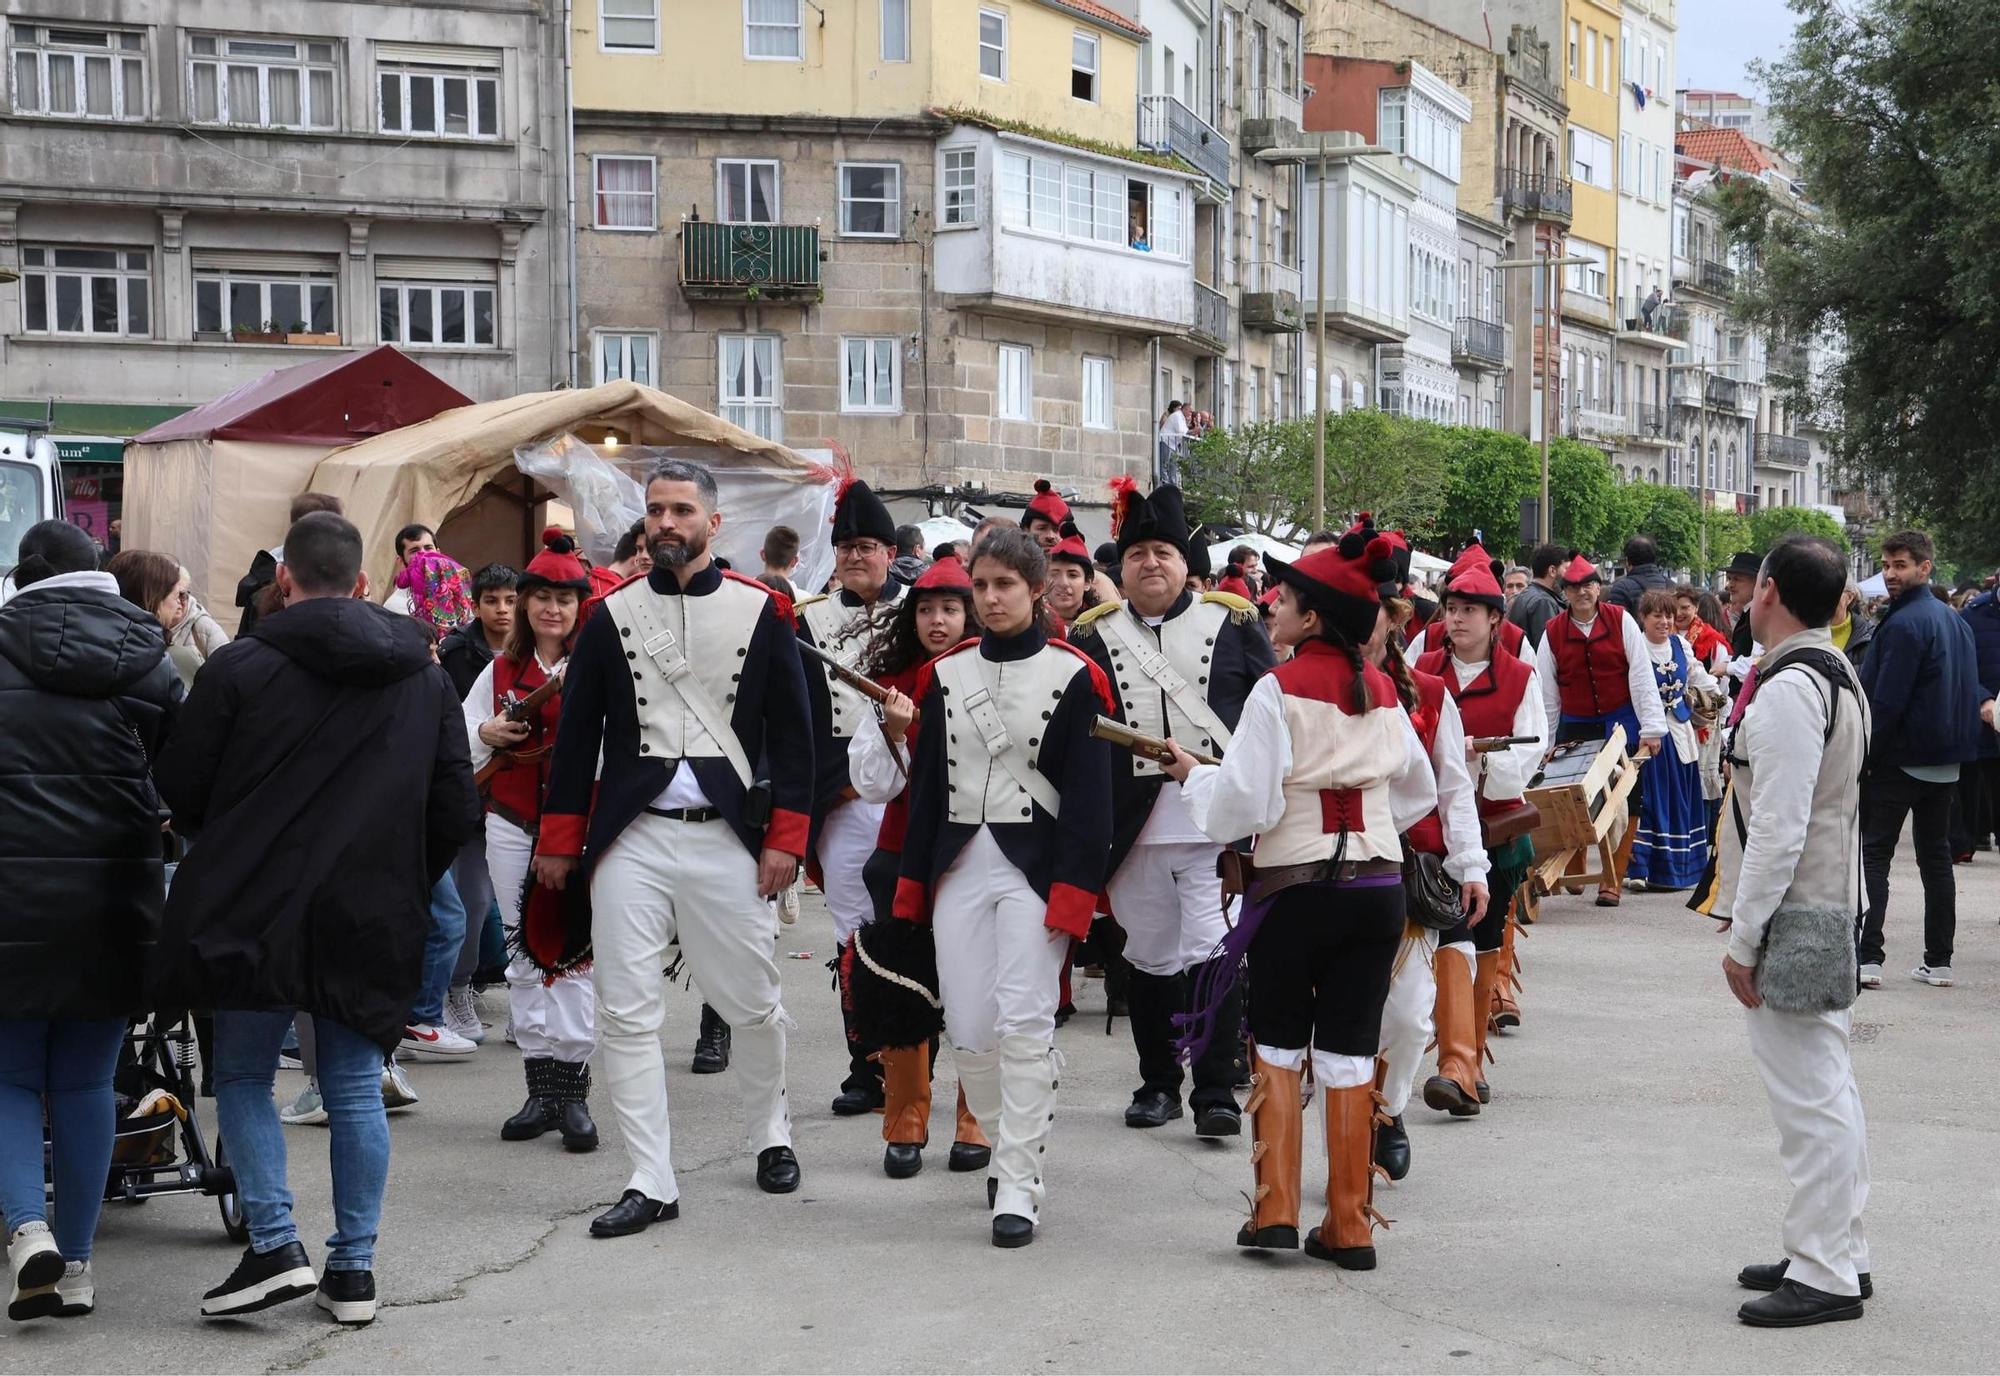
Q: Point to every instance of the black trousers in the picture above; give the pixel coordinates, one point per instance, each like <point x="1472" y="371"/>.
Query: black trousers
<point x="1975" y="812"/>
<point x="1888" y="795"/>
<point x="1320" y="967"/>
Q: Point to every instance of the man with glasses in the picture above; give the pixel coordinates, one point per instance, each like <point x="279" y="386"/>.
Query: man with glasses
<point x="844" y="826"/>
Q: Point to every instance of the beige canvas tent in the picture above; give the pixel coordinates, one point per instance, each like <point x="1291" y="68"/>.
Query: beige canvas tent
<point x="456" y="471"/>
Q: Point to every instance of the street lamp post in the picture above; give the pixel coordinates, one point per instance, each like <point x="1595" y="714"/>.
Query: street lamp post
<point x="1546" y="261"/>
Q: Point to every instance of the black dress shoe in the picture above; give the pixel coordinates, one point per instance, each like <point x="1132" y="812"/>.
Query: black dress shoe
<point x="537" y="1116"/>
<point x="1150" y="1108"/>
<point x="711" y="1047"/>
<point x="777" y="1170"/>
<point x="992" y="1191"/>
<point x="579" y="1133"/>
<point x="1012" y="1230"/>
<point x="1442" y="1093"/>
<point x="969" y="1156"/>
<point x="1770" y="1275"/>
<point x="1218" y="1120"/>
<point x="1392" y="1148"/>
<point x="901" y="1160"/>
<point x="633" y="1213"/>
<point x="1275" y="1237"/>
<point x="1793" y="1305"/>
<point x="1346" y="1258"/>
<point x="857" y="1098"/>
<point x="1483" y="1090"/>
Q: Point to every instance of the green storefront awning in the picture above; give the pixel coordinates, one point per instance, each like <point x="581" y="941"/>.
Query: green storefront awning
<point x="90" y="417"/>
<point x="88" y="449"/>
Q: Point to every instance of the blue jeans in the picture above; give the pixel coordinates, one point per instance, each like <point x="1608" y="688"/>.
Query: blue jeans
<point x="68" y="1063"/>
<point x="441" y="948"/>
<point x="350" y="1085"/>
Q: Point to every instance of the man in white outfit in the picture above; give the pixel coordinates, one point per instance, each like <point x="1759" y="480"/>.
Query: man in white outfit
<point x="1791" y="838"/>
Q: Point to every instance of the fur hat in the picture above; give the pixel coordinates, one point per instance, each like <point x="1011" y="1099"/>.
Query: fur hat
<point x="858" y="514"/>
<point x="1160" y="516"/>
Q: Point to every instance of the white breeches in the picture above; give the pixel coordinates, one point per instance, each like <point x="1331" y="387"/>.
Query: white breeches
<point x="1168" y="898"/>
<point x="664" y="882"/>
<point x="1330" y="1069"/>
<point x="1407" y="1022"/>
<point x="551" y="1017"/>
<point x="846" y="840"/>
<point x="998" y="967"/>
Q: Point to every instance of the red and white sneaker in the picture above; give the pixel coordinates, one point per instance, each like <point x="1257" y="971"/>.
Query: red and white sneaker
<point x="422" y="1039"/>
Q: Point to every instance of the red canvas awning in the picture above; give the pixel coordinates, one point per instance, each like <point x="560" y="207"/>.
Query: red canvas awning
<point x="333" y="400"/>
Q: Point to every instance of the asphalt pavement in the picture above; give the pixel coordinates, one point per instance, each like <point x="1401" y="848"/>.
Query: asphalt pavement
<point x="1592" y="1219"/>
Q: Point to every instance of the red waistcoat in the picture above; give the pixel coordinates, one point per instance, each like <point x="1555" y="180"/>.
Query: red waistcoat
<point x="1427" y="834"/>
<point x="1487" y="705"/>
<point x="519" y="787"/>
<point x="896" y="816"/>
<point x="1590" y="673"/>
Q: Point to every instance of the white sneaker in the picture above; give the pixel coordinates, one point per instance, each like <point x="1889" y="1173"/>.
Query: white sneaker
<point x="426" y="1039"/>
<point x="461" y="1015"/>
<point x="396" y="1091"/>
<point x="36" y="1265"/>
<point x="306" y="1111"/>
<point x="788" y="905"/>
<point x="509" y="1033"/>
<point x="1871" y="977"/>
<point x="1938" y="976"/>
<point x="77" y="1291"/>
<point x="288" y="1061"/>
<point x="1635" y="886"/>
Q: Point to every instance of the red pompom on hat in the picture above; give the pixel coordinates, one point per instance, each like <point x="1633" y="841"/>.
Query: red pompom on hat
<point x="1343" y="583"/>
<point x="557" y="565"/>
<point x="1476" y="584"/>
<point x="946" y="575"/>
<point x="1047" y="505"/>
<point x="1580" y="570"/>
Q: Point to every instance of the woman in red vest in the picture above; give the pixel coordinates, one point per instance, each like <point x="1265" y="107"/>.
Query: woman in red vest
<point x="553" y="1021"/>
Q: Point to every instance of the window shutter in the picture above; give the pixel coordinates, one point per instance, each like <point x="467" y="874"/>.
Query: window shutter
<point x="435" y="55"/>
<point x="235" y="260"/>
<point x="435" y="269"/>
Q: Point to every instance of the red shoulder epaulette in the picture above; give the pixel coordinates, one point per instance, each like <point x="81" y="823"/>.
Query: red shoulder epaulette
<point x="780" y="604"/>
<point x="1098" y="679"/>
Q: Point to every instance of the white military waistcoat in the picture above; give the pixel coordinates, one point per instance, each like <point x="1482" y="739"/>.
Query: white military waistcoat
<point x="844" y="632"/>
<point x="712" y="633"/>
<point x="1188" y="643"/>
<point x="1026" y="692"/>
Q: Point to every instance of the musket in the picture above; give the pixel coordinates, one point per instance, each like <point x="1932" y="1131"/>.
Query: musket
<point x="1487" y="745"/>
<point x="1145" y="747"/>
<point x="862" y="684"/>
<point x="517" y="709"/>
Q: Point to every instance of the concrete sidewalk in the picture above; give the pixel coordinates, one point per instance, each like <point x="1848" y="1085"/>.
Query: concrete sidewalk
<point x="1593" y="1218"/>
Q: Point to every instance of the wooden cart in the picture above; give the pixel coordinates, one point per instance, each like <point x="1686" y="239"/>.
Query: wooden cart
<point x="1582" y="799"/>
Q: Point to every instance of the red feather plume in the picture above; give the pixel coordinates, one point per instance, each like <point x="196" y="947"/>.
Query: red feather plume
<point x="1124" y="491"/>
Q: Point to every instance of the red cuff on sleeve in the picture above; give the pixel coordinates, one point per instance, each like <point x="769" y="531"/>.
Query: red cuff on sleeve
<point x="1070" y="910"/>
<point x="561" y="834"/>
<point x="913" y="901"/>
<point x="787" y="832"/>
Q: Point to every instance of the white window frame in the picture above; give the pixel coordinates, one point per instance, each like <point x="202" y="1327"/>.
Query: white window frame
<point x="872" y="402"/>
<point x="598" y="195"/>
<point x="305" y="62"/>
<point x="723" y="166"/>
<point x="960" y="181"/>
<point x="38" y="264"/>
<point x="476" y="76"/>
<point x="797" y="26"/>
<point x="1001" y="15"/>
<point x="901" y="7"/>
<point x="265" y="280"/>
<point x="1014" y="382"/>
<point x="1095" y="70"/>
<point x="892" y="205"/>
<point x="629" y="12"/>
<point x="122" y="47"/>
<point x="1099" y="377"/>
<point x="468" y="292"/>
<point x="624" y="341"/>
<point x="763" y="416"/>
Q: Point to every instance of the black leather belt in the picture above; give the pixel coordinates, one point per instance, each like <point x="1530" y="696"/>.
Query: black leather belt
<point x="687" y="814"/>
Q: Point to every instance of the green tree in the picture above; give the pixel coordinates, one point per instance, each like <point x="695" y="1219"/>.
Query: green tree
<point x="1668" y="514"/>
<point x="1773" y="524"/>
<point x="1580" y="497"/>
<point x="1488" y="473"/>
<point x="1392" y="467"/>
<point x="1723" y="532"/>
<point x="1890" y="108"/>
<point x="1257" y="475"/>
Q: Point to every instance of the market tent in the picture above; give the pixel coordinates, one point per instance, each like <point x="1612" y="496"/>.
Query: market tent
<point x="1267" y="547"/>
<point x="456" y="471"/>
<point x="256" y="448"/>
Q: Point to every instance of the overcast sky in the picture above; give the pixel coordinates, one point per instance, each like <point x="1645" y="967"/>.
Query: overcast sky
<point x="1718" y="38"/>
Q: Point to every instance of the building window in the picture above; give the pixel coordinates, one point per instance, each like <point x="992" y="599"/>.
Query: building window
<point x="895" y="30"/>
<point x="773" y="30"/>
<point x="94" y="291"/>
<point x="436" y="314"/>
<point x="1083" y="67"/>
<point x="269" y="83"/>
<point x="1590" y="57"/>
<point x="1096" y="393"/>
<point x="1574" y="31"/>
<point x="993" y="44"/>
<point x="871" y="199"/>
<point x="1590" y="158"/>
<point x="959" y="189"/>
<point x="628" y="26"/>
<point x="626" y="356"/>
<point x="88" y="72"/>
<point x="1015" y="397"/>
<point x="1605" y="65"/>
<point x="438" y="100"/>
<point x="625" y="193"/>
<point x="746" y="191"/>
<point x="871" y="373"/>
<point x="230" y="301"/>
<point x="752" y="389"/>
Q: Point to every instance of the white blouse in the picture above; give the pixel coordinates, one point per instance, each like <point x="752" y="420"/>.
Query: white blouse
<point x="1687" y="745"/>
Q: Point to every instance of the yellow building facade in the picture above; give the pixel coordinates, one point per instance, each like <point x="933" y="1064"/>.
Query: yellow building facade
<point x="1591" y="49"/>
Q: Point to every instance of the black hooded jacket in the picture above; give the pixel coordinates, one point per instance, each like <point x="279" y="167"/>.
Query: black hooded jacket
<point x="87" y="696"/>
<point x="321" y="766"/>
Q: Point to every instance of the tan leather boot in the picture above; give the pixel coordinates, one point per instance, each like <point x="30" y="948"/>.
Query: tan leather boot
<point x="1277" y="1128"/>
<point x="1455" y="1088"/>
<point x="1612" y="886"/>
<point x="906" y="1108"/>
<point x="970" y="1151"/>
<point x="1346" y="1237"/>
<point x="1506" y="1012"/>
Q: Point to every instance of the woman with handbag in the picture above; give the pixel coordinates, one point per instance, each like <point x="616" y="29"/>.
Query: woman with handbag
<point x="1325" y="770"/>
<point x="1445" y="879"/>
<point x="1670" y="850"/>
<point x="553" y="1021"/>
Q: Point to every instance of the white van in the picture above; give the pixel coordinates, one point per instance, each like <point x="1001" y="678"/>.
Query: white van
<point x="30" y="492"/>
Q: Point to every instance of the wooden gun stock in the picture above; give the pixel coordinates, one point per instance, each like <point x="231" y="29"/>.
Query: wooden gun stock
<point x="1486" y="745"/>
<point x="518" y="710"/>
<point x="859" y="682"/>
<point x="1144" y="746"/>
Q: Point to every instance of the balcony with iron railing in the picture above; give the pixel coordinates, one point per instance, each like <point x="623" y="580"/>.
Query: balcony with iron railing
<point x="1648" y="423"/>
<point x="1272" y="118"/>
<point x="1168" y="126"/>
<point x="1783" y="451"/>
<point x="1589" y="423"/>
<point x="1271" y="298"/>
<point x="1211" y="319"/>
<point x="1725" y="392"/>
<point x="1710" y="276"/>
<point x="732" y="262"/>
<point x="1477" y="343"/>
<point x="1535" y="194"/>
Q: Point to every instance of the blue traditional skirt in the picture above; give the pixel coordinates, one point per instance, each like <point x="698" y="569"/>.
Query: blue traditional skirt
<point x="1671" y="849"/>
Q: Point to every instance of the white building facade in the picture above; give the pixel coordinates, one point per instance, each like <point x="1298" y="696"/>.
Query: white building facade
<point x="1424" y="122"/>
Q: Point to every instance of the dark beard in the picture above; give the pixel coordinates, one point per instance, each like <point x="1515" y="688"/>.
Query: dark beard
<point x="674" y="553"/>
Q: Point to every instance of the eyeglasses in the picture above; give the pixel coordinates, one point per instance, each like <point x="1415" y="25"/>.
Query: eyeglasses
<point x="862" y="548"/>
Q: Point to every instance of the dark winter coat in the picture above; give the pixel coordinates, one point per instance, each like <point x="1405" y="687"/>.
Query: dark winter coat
<point x="87" y="696"/>
<point x="1921" y="675"/>
<point x="321" y="766"/>
<point x="1982" y="617"/>
<point x="1859" y="637"/>
<point x="1533" y="609"/>
<point x="1639" y="580"/>
<point x="465" y="654"/>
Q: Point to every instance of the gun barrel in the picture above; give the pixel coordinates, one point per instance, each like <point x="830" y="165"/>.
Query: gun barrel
<point x="853" y="678"/>
<point x="1148" y="747"/>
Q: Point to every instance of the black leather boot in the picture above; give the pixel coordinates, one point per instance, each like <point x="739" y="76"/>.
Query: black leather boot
<point x="861" y="1091"/>
<point x="572" y="1081"/>
<point x="1793" y="1305"/>
<point x="711" y="1046"/>
<point x="1153" y="1000"/>
<point x="1392" y="1148"/>
<point x="542" y="1111"/>
<point x="1213" y="1098"/>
